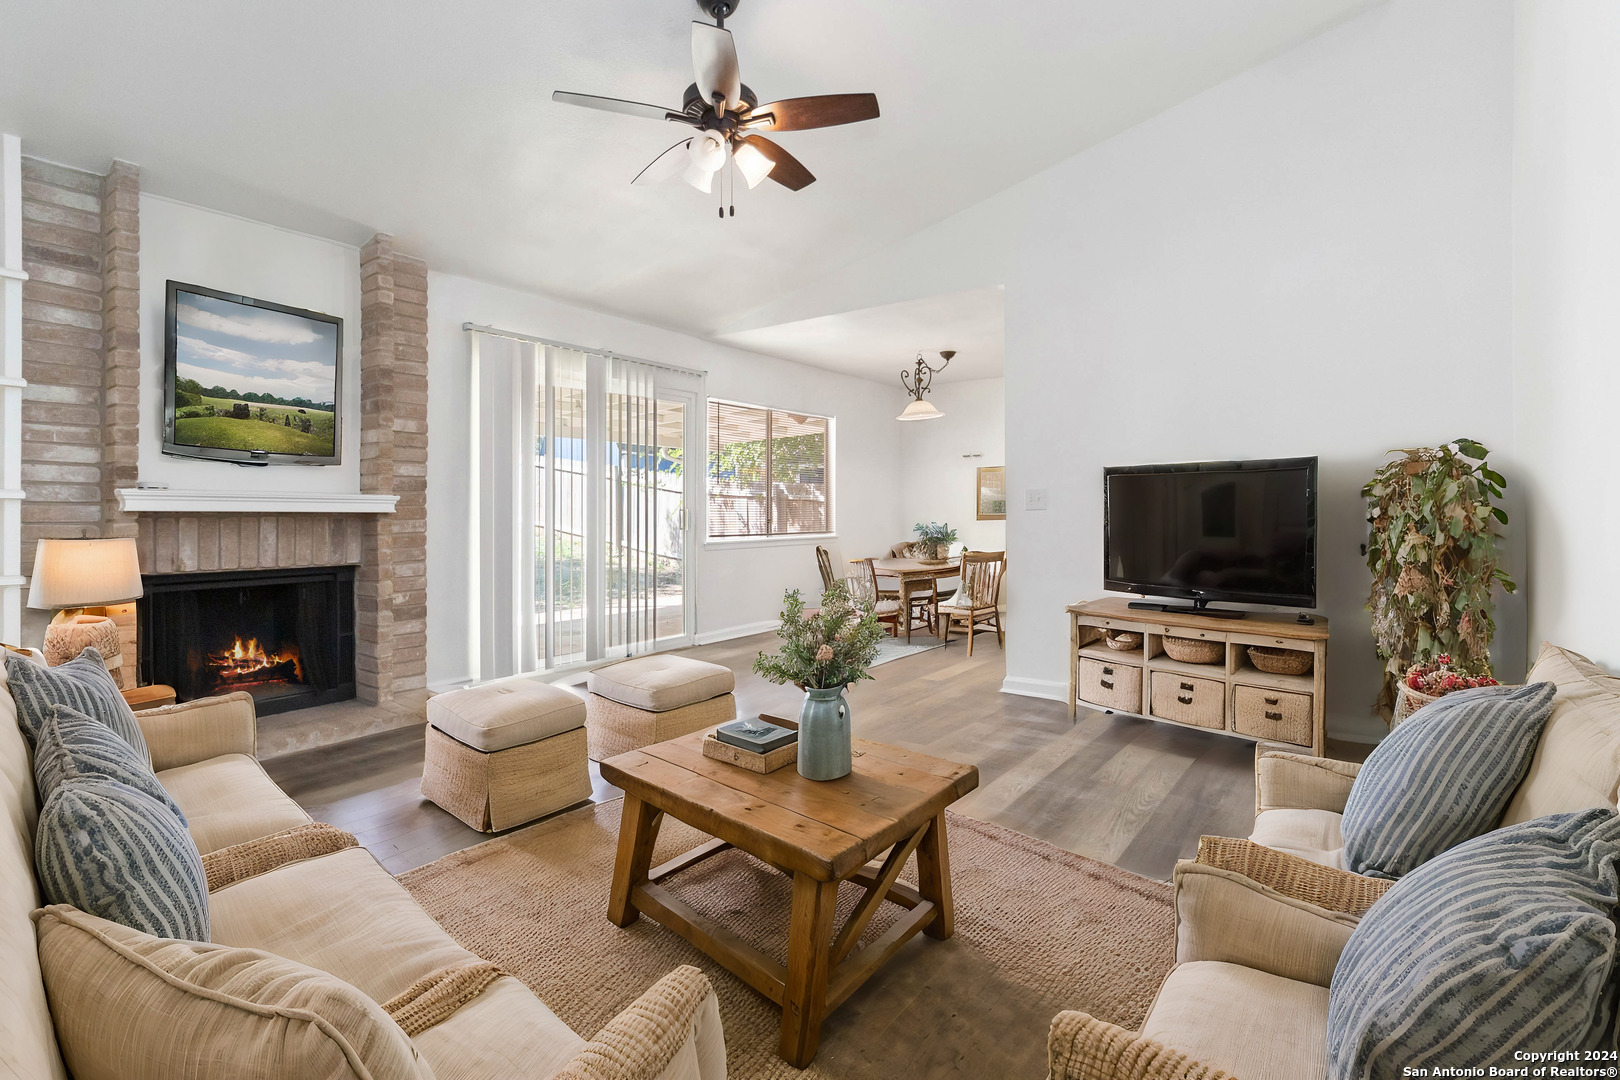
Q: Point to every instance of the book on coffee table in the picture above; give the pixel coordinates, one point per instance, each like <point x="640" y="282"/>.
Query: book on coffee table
<point x="757" y="734"/>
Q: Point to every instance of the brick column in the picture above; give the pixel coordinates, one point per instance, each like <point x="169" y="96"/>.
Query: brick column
<point x="391" y="587"/>
<point x="121" y="340"/>
<point x="121" y="370"/>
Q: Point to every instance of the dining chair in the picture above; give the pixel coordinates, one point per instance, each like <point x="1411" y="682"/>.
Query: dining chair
<point x="887" y="610"/>
<point x="974" y="607"/>
<point x="824" y="563"/>
<point x="892" y="593"/>
<point x="920" y="606"/>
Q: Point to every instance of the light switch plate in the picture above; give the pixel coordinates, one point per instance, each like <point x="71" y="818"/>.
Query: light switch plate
<point x="1034" y="498"/>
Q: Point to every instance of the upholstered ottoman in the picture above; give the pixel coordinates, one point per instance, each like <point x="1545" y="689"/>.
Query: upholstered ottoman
<point x="652" y="698"/>
<point x="506" y="753"/>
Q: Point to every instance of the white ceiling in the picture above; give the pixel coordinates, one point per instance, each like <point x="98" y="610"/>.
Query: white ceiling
<point x="433" y="121"/>
<point x="877" y="342"/>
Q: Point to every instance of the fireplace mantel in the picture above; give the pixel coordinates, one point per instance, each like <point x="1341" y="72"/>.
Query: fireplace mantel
<point x="175" y="501"/>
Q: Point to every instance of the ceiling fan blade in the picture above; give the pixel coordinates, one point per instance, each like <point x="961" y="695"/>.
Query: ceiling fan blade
<point x="617" y="105"/>
<point x="788" y="172"/>
<point x="826" y="110"/>
<point x="666" y="166"/>
<point x="714" y="61"/>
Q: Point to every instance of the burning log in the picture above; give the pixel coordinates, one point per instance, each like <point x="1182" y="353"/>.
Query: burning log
<point x="284" y="671"/>
<point x="245" y="664"/>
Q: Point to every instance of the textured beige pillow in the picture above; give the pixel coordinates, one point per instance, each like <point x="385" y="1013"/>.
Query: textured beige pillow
<point x="129" y="1006"/>
<point x="1577" y="762"/>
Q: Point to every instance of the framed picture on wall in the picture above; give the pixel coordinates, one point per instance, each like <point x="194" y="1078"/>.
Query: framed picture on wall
<point x="991" y="498"/>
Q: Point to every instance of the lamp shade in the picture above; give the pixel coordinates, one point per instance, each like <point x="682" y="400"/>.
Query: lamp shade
<point x="84" y="573"/>
<point x="754" y="165"/>
<point x="920" y="410"/>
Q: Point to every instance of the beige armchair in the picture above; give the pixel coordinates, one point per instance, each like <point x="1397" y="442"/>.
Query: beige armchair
<point x="1248" y="997"/>
<point x="1300" y="800"/>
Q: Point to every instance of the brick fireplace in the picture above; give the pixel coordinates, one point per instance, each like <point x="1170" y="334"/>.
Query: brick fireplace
<point x="83" y="411"/>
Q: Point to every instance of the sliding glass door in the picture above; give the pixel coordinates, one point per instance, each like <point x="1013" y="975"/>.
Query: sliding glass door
<point x="581" y="460"/>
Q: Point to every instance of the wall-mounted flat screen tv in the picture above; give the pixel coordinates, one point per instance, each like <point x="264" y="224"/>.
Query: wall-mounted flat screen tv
<point x="1242" y="531"/>
<point x="250" y="381"/>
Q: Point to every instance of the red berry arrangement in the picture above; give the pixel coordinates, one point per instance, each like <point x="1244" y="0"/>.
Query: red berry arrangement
<point x="1438" y="677"/>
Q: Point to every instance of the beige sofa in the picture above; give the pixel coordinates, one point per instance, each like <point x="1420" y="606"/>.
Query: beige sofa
<point x="341" y="913"/>
<point x="1248" y="997"/>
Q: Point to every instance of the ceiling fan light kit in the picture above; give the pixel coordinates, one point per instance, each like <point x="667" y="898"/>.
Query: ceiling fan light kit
<point x="729" y="118"/>
<point x="917" y="383"/>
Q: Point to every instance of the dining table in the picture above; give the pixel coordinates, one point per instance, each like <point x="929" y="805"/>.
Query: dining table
<point x="909" y="572"/>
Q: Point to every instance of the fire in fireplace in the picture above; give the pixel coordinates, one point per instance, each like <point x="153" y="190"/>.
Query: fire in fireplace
<point x="243" y="667"/>
<point x="284" y="636"/>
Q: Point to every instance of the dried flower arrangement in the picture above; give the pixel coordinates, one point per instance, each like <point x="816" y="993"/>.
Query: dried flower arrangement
<point x="1435" y="558"/>
<point x="1438" y="678"/>
<point x="830" y="647"/>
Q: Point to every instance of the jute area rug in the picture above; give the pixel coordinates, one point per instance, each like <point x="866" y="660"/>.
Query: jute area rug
<point x="1038" y="930"/>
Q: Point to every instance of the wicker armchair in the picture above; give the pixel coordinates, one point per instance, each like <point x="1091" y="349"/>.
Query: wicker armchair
<point x="975" y="607"/>
<point x="1248" y="996"/>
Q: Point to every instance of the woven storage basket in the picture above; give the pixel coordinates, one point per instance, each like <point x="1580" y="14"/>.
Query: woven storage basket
<point x="1280" y="661"/>
<point x="1123" y="640"/>
<point x="1194" y="650"/>
<point x="1409" y="701"/>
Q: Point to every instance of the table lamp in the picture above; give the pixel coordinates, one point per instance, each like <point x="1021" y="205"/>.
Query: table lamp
<point x="80" y="578"/>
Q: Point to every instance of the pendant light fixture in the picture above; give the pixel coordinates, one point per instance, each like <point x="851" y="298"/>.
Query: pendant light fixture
<point x="917" y="383"/>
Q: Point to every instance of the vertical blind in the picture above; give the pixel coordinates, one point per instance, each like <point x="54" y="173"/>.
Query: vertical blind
<point x="768" y="471"/>
<point x="579" y="507"/>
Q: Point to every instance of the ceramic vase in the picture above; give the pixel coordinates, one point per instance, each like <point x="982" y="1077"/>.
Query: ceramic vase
<point x="824" y="734"/>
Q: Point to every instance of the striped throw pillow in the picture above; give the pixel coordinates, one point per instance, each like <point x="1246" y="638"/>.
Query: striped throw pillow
<point x="71" y="745"/>
<point x="117" y="853"/>
<point x="82" y="684"/>
<point x="1504" y="943"/>
<point x="1442" y="777"/>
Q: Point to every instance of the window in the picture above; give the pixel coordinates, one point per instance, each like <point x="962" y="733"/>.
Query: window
<point x="768" y="472"/>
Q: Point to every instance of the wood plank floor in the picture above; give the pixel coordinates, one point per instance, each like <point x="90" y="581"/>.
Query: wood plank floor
<point x="1131" y="792"/>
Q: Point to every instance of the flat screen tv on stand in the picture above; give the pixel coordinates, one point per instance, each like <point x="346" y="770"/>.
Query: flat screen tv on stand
<point x="1233" y="531"/>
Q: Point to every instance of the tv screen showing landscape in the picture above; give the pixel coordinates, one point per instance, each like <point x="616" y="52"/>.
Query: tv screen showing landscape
<point x="251" y="380"/>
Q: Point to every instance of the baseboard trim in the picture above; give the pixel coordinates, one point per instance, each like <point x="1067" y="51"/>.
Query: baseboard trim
<point x="746" y="630"/>
<point x="1036" y="688"/>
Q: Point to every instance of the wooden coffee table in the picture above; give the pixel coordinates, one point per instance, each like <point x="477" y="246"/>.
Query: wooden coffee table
<point x="819" y="833"/>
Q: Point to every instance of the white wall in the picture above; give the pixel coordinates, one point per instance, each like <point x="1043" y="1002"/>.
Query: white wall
<point x="937" y="482"/>
<point x="1313" y="257"/>
<point x="187" y="243"/>
<point x="739" y="586"/>
<point x="1567" y="322"/>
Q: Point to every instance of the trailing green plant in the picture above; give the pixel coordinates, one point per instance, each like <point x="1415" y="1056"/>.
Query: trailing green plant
<point x="1435" y="558"/>
<point x="831" y="647"/>
<point x="939" y="537"/>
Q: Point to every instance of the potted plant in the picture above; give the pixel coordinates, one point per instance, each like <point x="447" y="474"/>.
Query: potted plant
<point x="1435" y="558"/>
<point x="1426" y="683"/>
<point x="934" y="538"/>
<point x="822" y="653"/>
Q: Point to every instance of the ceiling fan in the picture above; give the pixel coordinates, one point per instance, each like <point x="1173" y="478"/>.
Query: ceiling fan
<point x="728" y="117"/>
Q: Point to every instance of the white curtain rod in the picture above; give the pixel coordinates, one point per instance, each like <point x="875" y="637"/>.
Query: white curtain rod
<point x="494" y="332"/>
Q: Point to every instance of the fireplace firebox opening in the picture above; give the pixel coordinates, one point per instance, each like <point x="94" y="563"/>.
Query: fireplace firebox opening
<point x="284" y="636"/>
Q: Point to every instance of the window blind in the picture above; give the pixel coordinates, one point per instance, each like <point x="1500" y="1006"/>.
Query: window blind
<point x="768" y="471"/>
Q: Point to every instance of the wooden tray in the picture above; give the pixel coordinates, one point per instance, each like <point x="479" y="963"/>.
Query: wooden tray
<point x="748" y="759"/>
